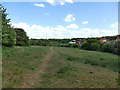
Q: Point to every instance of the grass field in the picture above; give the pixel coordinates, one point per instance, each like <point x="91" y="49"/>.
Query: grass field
<point x="58" y="67"/>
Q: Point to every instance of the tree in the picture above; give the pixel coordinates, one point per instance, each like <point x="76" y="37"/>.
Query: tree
<point x="21" y="37"/>
<point x="91" y="44"/>
<point x="92" y="41"/>
<point x="8" y="33"/>
<point x="107" y="47"/>
<point x="95" y="46"/>
<point x="116" y="48"/>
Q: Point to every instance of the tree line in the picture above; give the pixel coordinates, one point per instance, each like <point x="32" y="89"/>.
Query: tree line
<point x="12" y="36"/>
<point x="95" y="45"/>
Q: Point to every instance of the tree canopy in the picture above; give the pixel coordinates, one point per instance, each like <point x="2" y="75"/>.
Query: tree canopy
<point x="21" y="37"/>
<point x="8" y="33"/>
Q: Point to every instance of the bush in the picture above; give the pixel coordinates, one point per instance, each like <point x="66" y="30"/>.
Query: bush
<point x="86" y="46"/>
<point x="95" y="46"/>
<point x="71" y="45"/>
<point x="92" y="41"/>
<point x="66" y="45"/>
<point x="107" y="47"/>
<point x="75" y="45"/>
<point x="116" y="48"/>
<point x="91" y="44"/>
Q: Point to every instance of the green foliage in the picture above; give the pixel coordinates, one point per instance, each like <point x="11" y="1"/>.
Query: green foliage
<point x="91" y="44"/>
<point x="8" y="33"/>
<point x="71" y="45"/>
<point x="92" y="41"/>
<point x="118" y="81"/>
<point x="95" y="46"/>
<point x="86" y="46"/>
<point x="21" y="37"/>
<point x="110" y="36"/>
<point x="116" y="48"/>
<point x="107" y="47"/>
<point x="49" y="42"/>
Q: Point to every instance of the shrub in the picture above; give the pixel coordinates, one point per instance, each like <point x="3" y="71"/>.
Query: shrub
<point x="107" y="47"/>
<point x="92" y="41"/>
<point x="91" y="44"/>
<point x="116" y="48"/>
<point x="75" y="45"/>
<point x="86" y="46"/>
<point x="95" y="46"/>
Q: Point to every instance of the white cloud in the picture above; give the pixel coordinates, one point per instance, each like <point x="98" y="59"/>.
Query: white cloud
<point x="72" y="26"/>
<point x="60" y="2"/>
<point x="69" y="18"/>
<point x="39" y="5"/>
<point x="85" y="22"/>
<point x="69" y="1"/>
<point x="59" y="31"/>
<point x="114" y="25"/>
<point x="20" y="25"/>
<point x="98" y="33"/>
<point x="51" y="1"/>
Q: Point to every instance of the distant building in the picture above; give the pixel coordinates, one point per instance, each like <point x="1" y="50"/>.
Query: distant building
<point x="118" y="39"/>
<point x="110" y="39"/>
<point x="102" y="40"/>
<point x="78" y="42"/>
<point x="82" y="42"/>
<point x="72" y="42"/>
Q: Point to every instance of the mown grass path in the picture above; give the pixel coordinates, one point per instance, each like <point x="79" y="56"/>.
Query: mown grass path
<point x="36" y="76"/>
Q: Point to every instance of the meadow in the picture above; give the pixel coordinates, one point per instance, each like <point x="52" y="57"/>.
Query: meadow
<point x="58" y="67"/>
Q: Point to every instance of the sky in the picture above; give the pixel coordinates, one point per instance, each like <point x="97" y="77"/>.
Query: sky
<point x="64" y="19"/>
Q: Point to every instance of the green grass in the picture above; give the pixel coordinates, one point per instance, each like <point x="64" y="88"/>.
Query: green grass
<point x="68" y="68"/>
<point x="102" y="59"/>
<point x="20" y="61"/>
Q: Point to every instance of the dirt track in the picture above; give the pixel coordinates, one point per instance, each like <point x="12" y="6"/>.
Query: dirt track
<point x="36" y="76"/>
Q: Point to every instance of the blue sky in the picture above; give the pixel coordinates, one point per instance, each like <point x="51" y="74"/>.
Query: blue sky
<point x="64" y="19"/>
